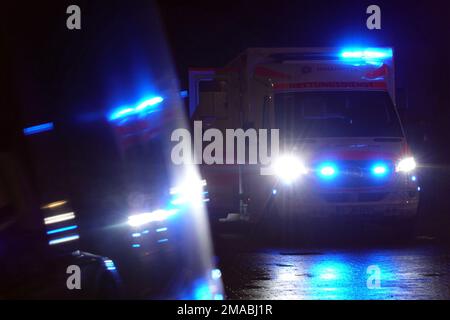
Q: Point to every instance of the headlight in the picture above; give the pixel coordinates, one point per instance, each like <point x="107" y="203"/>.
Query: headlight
<point x="140" y="219"/>
<point x="189" y="191"/>
<point x="288" y="168"/>
<point x="406" y="165"/>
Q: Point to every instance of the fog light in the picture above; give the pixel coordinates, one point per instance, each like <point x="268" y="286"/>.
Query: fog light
<point x="379" y="170"/>
<point x="328" y="170"/>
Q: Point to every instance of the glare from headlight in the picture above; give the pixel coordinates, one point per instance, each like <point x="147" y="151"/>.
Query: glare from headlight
<point x="406" y="165"/>
<point x="288" y="168"/>
<point x="140" y="219"/>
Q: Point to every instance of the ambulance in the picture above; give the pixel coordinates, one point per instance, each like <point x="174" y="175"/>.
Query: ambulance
<point x="342" y="147"/>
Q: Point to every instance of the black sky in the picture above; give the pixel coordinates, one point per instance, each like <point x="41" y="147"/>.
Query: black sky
<point x="210" y="33"/>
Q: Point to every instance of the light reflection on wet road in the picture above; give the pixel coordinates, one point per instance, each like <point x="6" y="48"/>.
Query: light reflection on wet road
<point x="418" y="271"/>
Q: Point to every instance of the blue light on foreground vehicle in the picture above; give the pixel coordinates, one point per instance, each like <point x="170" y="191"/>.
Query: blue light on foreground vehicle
<point x="148" y="103"/>
<point x="62" y="240"/>
<point x="62" y="229"/>
<point x="216" y="274"/>
<point x="189" y="191"/>
<point x="202" y="292"/>
<point x="367" y="54"/>
<point x="109" y="264"/>
<point x="38" y="128"/>
<point x="218" y="296"/>
<point x="140" y="219"/>
<point x="144" y="107"/>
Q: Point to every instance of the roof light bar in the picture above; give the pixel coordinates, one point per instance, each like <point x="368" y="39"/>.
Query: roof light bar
<point x="62" y="229"/>
<point x="147" y="217"/>
<point x="141" y="107"/>
<point x="367" y="54"/>
<point x="62" y="240"/>
<point x="38" y="128"/>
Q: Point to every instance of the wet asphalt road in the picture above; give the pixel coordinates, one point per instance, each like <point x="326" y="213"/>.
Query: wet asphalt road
<point x="265" y="269"/>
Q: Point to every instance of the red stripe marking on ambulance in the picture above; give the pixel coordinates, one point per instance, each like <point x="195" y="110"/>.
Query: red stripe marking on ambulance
<point x="330" y="84"/>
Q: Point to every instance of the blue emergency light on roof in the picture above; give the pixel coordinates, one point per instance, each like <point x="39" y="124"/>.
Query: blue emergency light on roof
<point x="367" y="54"/>
<point x="38" y="128"/>
<point x="64" y="239"/>
<point x="148" y="103"/>
<point x="62" y="229"/>
<point x="146" y="106"/>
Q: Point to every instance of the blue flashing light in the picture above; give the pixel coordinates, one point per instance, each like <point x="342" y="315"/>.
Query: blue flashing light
<point x="184" y="94"/>
<point x="380" y="170"/>
<point x="122" y="113"/>
<point x="148" y="103"/>
<point x="136" y="235"/>
<point x="38" y="129"/>
<point x="367" y="53"/>
<point x="202" y="292"/>
<point x="274" y="191"/>
<point x="64" y="239"/>
<point x="328" y="170"/>
<point x="216" y="274"/>
<point x="163" y="240"/>
<point x="413" y="178"/>
<point x="142" y="108"/>
<point x="161" y="229"/>
<point x="136" y="245"/>
<point x="62" y="229"/>
<point x="109" y="264"/>
<point x="218" y="296"/>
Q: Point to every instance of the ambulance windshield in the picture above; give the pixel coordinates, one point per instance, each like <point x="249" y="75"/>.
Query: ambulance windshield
<point x="336" y="114"/>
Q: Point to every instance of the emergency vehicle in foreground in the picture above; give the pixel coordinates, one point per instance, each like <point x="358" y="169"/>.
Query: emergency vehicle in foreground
<point x="86" y="178"/>
<point x="343" y="150"/>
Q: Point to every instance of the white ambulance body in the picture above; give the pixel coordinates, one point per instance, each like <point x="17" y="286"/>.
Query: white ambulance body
<point x="342" y="146"/>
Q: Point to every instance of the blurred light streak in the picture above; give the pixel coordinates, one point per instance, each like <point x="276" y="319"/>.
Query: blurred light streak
<point x="59" y="218"/>
<point x="38" y="128"/>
